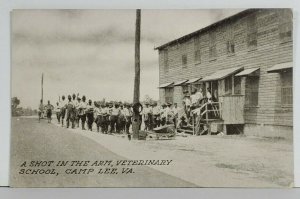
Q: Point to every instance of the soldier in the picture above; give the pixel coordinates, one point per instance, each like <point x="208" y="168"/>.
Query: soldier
<point x="90" y="115"/>
<point x="162" y="114"/>
<point x="128" y="116"/>
<point x="98" y="115"/>
<point x="105" y="118"/>
<point x="175" y="112"/>
<point x="58" y="112"/>
<point x="147" y="113"/>
<point x="156" y="115"/>
<point x="63" y="106"/>
<point x="115" y="112"/>
<point x="70" y="112"/>
<point x="169" y="114"/>
<point x="82" y="112"/>
<point x="121" y="118"/>
<point x="49" y="107"/>
<point x="77" y="106"/>
<point x="41" y="109"/>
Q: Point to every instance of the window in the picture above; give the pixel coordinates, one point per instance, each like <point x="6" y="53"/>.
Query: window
<point x="184" y="60"/>
<point x="251" y="95"/>
<point x="169" y="95"/>
<point x="287" y="88"/>
<point x="252" y="32"/>
<point x="197" y="50"/>
<point x="212" y="45"/>
<point x="237" y="85"/>
<point x="197" y="57"/>
<point x="228" y="85"/>
<point x="166" y="60"/>
<point x="285" y="25"/>
<point x="230" y="47"/>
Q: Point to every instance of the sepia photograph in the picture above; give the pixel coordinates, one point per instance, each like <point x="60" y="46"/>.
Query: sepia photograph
<point x="152" y="98"/>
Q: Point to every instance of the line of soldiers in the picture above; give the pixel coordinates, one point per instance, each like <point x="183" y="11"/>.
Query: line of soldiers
<point x="108" y="117"/>
<point x="155" y="116"/>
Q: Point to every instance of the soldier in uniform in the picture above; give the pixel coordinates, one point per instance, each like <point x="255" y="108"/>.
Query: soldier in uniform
<point x="70" y="112"/>
<point x="163" y="115"/>
<point x="58" y="112"/>
<point x="90" y="115"/>
<point x="115" y="112"/>
<point x="105" y="118"/>
<point x="49" y="107"/>
<point x="121" y="118"/>
<point x="156" y="115"/>
<point x="77" y="105"/>
<point x="98" y="115"/>
<point x="175" y="112"/>
<point x="128" y="117"/>
<point x="82" y="112"/>
<point x="63" y="106"/>
<point x="40" y="110"/>
<point x="147" y="113"/>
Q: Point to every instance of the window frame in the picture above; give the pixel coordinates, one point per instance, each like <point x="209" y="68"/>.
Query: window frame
<point x="283" y="86"/>
<point x="249" y="92"/>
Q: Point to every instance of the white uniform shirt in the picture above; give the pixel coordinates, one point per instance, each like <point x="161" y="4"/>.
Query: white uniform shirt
<point x="63" y="103"/>
<point x="155" y="110"/>
<point x="127" y="112"/>
<point x="115" y="111"/>
<point x="187" y="101"/>
<point x="147" y="110"/>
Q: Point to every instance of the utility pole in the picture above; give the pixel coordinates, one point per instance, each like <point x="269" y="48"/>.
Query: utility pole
<point x="136" y="96"/>
<point x="42" y="88"/>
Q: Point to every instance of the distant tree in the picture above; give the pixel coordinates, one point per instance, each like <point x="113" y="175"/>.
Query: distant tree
<point x="14" y="104"/>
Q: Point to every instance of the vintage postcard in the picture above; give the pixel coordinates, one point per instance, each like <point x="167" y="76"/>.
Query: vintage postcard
<point x="152" y="98"/>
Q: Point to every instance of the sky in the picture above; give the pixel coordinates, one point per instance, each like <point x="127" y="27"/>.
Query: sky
<point x="91" y="52"/>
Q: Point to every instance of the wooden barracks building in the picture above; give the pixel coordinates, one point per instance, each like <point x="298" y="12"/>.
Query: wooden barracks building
<point x="246" y="60"/>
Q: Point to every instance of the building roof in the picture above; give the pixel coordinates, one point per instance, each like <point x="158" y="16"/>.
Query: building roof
<point x="165" y="85"/>
<point x="188" y="36"/>
<point x="247" y="72"/>
<point x="221" y="74"/>
<point x="180" y="82"/>
<point x="279" y="67"/>
<point x="193" y="80"/>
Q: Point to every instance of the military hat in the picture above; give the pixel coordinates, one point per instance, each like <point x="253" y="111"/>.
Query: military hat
<point x="74" y="95"/>
<point x="63" y="97"/>
<point x="78" y="98"/>
<point x="83" y="97"/>
<point x="69" y="97"/>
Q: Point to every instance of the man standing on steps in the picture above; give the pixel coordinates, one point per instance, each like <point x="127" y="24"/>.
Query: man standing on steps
<point x="82" y="112"/>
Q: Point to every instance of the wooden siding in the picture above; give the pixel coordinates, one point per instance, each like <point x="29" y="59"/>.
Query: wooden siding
<point x="270" y="50"/>
<point x="232" y="109"/>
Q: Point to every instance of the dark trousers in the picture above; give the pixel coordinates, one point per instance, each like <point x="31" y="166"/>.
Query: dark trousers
<point x="71" y="118"/>
<point x="114" y="124"/>
<point x="155" y="121"/>
<point x="62" y="115"/>
<point x="58" y="116"/>
<point x="104" y="124"/>
<point x="98" y="122"/>
<point x="90" y="120"/>
<point x="127" y="124"/>
<point x="83" y="119"/>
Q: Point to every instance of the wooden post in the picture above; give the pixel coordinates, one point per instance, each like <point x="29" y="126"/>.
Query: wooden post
<point x="136" y="96"/>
